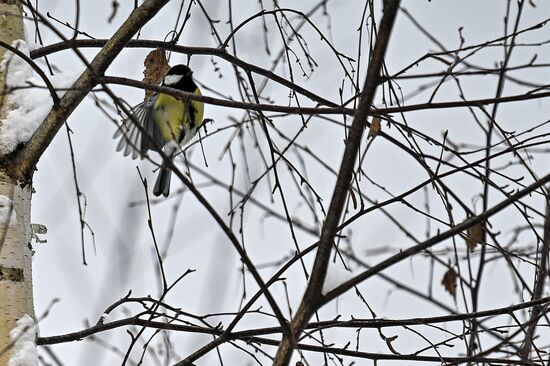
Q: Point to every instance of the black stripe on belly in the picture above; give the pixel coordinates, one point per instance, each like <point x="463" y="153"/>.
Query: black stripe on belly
<point x="192" y="115"/>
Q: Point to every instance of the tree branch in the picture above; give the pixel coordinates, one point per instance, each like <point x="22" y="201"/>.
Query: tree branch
<point x="169" y="46"/>
<point x="21" y="166"/>
<point x="312" y="294"/>
<point x="540" y="278"/>
<point x="333" y="108"/>
<point x="512" y="199"/>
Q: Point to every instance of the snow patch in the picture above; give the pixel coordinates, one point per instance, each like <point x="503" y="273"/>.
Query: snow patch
<point x="7" y="207"/>
<point x="337" y="274"/>
<point x="23" y="336"/>
<point x="29" y="99"/>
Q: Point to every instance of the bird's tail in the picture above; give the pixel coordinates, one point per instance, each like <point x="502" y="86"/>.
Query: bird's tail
<point x="162" y="184"/>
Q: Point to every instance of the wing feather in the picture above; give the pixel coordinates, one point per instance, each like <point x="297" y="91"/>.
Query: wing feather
<point x="130" y="136"/>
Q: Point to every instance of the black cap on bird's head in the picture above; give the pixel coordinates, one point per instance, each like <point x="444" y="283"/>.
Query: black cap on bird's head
<point x="179" y="70"/>
<point x="180" y="77"/>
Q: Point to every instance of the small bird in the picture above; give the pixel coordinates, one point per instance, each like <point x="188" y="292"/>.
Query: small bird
<point x="170" y="123"/>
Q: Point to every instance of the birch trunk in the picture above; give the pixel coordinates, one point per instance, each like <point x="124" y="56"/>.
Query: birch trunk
<point x="15" y="202"/>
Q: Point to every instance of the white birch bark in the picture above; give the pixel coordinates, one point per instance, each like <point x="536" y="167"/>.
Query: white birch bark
<point x="16" y="298"/>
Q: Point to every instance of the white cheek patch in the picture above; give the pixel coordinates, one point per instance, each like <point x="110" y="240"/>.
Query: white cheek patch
<point x="172" y="79"/>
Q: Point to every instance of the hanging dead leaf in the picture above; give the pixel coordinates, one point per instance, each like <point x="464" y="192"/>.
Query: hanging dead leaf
<point x="474" y="236"/>
<point x="375" y="127"/>
<point x="299" y="363"/>
<point x="156" y="66"/>
<point x="449" y="281"/>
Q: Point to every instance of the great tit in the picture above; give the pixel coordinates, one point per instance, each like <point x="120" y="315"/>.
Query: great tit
<point x="170" y="122"/>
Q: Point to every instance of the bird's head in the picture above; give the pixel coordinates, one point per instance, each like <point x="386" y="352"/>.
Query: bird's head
<point x="176" y="75"/>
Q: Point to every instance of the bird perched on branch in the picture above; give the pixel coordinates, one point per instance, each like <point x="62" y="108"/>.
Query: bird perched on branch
<point x="169" y="122"/>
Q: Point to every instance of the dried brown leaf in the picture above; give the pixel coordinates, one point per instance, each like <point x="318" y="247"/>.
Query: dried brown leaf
<point x="449" y="281"/>
<point x="375" y="127"/>
<point x="474" y="236"/>
<point x="156" y="66"/>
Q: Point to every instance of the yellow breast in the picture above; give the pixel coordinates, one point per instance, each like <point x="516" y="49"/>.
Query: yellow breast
<point x="169" y="116"/>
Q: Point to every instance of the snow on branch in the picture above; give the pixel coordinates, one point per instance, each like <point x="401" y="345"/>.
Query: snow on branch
<point x="28" y="97"/>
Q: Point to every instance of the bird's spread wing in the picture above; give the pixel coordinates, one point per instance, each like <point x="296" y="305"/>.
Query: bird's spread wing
<point x="131" y="138"/>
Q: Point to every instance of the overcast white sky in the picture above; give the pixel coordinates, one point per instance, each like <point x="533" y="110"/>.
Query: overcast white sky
<point x="123" y="260"/>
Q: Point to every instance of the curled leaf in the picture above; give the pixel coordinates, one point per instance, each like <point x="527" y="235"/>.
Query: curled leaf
<point x="474" y="236"/>
<point x="449" y="281"/>
<point x="156" y="66"/>
<point x="375" y="127"/>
